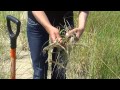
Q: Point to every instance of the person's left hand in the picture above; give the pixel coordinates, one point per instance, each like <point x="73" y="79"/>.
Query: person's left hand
<point x="76" y="31"/>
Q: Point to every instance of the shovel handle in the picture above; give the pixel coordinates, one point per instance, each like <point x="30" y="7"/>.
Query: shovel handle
<point x="13" y="36"/>
<point x="13" y="63"/>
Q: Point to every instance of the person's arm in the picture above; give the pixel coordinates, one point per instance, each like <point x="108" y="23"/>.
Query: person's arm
<point x="81" y="24"/>
<point x="42" y="18"/>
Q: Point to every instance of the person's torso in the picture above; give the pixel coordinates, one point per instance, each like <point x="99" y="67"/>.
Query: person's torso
<point x="55" y="17"/>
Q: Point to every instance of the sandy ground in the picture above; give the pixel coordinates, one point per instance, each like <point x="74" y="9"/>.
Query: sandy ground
<point x="24" y="66"/>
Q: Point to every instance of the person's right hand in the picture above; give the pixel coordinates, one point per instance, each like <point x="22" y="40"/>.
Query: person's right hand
<point x="54" y="35"/>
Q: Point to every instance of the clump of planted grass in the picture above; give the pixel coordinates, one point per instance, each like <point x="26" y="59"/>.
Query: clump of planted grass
<point x="62" y="49"/>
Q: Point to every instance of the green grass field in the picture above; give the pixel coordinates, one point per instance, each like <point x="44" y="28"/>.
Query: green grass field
<point x="96" y="55"/>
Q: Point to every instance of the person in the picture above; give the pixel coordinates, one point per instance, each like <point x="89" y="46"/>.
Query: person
<point x="40" y="26"/>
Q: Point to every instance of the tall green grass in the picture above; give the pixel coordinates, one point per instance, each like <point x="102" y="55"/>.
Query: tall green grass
<point x="95" y="56"/>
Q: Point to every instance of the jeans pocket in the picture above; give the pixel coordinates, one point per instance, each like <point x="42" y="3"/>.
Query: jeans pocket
<point x="31" y="22"/>
<point x="32" y="25"/>
<point x="35" y="27"/>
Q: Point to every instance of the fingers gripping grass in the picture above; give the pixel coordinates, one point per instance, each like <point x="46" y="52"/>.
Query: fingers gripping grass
<point x="63" y="50"/>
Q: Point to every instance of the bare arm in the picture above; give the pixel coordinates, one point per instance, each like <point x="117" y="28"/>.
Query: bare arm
<point x="83" y="18"/>
<point x="43" y="20"/>
<point x="82" y="21"/>
<point x="81" y="24"/>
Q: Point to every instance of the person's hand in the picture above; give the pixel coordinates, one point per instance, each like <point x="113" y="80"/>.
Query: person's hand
<point x="76" y="31"/>
<point x="54" y="35"/>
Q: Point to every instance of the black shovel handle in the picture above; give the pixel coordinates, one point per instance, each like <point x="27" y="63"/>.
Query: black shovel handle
<point x="13" y="36"/>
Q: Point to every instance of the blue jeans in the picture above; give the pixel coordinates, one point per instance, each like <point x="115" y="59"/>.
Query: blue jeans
<point x="37" y="38"/>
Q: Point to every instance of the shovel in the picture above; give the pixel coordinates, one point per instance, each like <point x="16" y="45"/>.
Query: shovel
<point x="13" y="39"/>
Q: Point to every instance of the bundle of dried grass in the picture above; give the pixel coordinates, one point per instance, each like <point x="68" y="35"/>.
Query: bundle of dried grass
<point x="63" y="50"/>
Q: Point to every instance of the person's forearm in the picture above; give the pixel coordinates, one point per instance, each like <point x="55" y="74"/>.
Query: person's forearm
<point x="42" y="19"/>
<point x="82" y="19"/>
